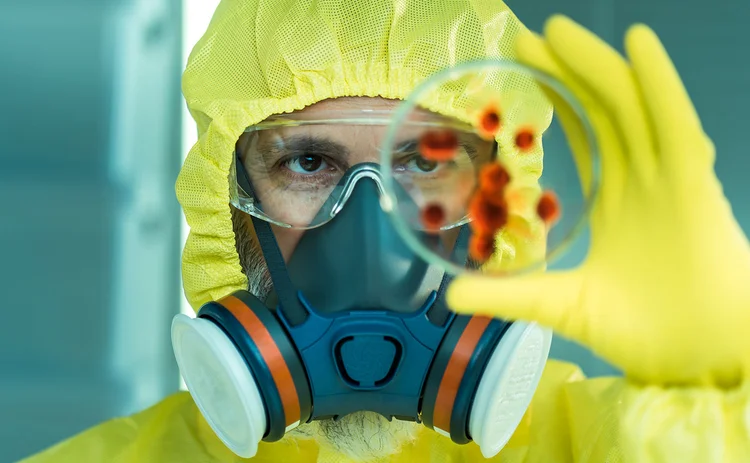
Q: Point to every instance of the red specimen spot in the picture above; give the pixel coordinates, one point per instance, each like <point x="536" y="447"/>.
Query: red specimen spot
<point x="492" y="181"/>
<point x="481" y="247"/>
<point x="548" y="208"/>
<point x="433" y="217"/>
<point x="489" y="121"/>
<point x="525" y="139"/>
<point x="439" y="145"/>
<point x="488" y="216"/>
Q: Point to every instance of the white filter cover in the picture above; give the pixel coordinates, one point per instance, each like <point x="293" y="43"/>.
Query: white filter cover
<point x="507" y="385"/>
<point x="220" y="383"/>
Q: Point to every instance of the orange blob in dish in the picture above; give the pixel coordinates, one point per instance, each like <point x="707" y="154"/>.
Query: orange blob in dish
<point x="548" y="208"/>
<point x="438" y="145"/>
<point x="492" y="181"/>
<point x="488" y="216"/>
<point x="433" y="217"/>
<point x="481" y="247"/>
<point x="525" y="139"/>
<point x="489" y="121"/>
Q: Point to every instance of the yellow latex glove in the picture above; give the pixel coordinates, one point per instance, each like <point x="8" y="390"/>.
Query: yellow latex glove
<point x="664" y="293"/>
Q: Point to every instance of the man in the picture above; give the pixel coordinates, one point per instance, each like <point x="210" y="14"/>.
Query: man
<point x="663" y="293"/>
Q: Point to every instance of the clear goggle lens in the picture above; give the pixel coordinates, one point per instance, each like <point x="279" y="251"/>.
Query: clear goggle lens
<point x="296" y="172"/>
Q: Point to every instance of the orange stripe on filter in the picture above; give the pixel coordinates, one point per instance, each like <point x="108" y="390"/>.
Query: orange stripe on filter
<point x="282" y="377"/>
<point x="454" y="371"/>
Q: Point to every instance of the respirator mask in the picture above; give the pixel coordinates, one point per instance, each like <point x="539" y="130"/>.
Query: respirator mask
<point x="356" y="320"/>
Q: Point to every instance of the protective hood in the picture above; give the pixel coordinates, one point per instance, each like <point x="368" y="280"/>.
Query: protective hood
<point x="265" y="57"/>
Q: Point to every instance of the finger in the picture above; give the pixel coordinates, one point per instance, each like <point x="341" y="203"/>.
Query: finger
<point x="533" y="52"/>
<point x="605" y="72"/>
<point x="550" y="299"/>
<point x="536" y="53"/>
<point x="671" y="111"/>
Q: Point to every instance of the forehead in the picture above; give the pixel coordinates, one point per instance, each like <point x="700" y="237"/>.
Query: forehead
<point x="350" y="103"/>
<point x="339" y="127"/>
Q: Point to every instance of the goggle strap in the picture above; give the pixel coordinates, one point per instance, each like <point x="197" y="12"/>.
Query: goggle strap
<point x="439" y="313"/>
<point x="243" y="180"/>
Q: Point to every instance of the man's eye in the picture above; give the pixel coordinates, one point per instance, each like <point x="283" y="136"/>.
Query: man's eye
<point x="420" y="165"/>
<point x="425" y="165"/>
<point x="306" y="164"/>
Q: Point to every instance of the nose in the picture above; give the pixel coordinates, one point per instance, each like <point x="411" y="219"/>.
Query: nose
<point x="358" y="260"/>
<point x="369" y="171"/>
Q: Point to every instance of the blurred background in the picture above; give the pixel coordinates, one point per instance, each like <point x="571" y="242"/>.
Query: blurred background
<point x="92" y="133"/>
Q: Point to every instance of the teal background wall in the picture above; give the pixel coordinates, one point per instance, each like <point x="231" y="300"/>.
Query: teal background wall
<point x="89" y="225"/>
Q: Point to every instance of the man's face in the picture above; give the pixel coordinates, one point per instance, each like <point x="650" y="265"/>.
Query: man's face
<point x="363" y="436"/>
<point x="275" y="174"/>
<point x="273" y="170"/>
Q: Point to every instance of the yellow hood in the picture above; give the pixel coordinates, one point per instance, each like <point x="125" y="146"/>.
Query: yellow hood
<point x="265" y="57"/>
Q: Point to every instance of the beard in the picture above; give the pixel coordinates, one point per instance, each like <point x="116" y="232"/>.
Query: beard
<point x="362" y="436"/>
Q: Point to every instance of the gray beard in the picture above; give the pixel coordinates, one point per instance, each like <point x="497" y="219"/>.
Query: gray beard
<point x="362" y="436"/>
<point x="253" y="264"/>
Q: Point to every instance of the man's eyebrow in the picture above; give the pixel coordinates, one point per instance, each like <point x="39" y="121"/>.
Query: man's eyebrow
<point x="412" y="145"/>
<point x="300" y="144"/>
<point x="407" y="145"/>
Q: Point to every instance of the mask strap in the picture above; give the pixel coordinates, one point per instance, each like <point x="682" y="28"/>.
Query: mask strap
<point x="243" y="180"/>
<point x="440" y="314"/>
<point x="285" y="291"/>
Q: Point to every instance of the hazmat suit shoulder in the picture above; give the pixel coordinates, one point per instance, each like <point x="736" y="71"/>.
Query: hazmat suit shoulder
<point x="570" y="419"/>
<point x="565" y="417"/>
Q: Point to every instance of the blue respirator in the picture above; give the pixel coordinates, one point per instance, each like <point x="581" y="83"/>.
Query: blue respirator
<point x="356" y="322"/>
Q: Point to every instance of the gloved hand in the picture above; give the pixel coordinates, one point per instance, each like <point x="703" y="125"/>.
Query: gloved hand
<point x="664" y="293"/>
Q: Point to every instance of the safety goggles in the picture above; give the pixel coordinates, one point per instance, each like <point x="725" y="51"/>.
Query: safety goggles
<point x="297" y="170"/>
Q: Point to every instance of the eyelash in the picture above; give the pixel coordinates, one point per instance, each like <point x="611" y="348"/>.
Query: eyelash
<point x="280" y="164"/>
<point x="411" y="149"/>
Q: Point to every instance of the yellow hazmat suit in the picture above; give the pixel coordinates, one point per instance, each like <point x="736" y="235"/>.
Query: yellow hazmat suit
<point x="263" y="57"/>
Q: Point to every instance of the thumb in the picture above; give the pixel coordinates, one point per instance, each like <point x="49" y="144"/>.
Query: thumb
<point x="550" y="299"/>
